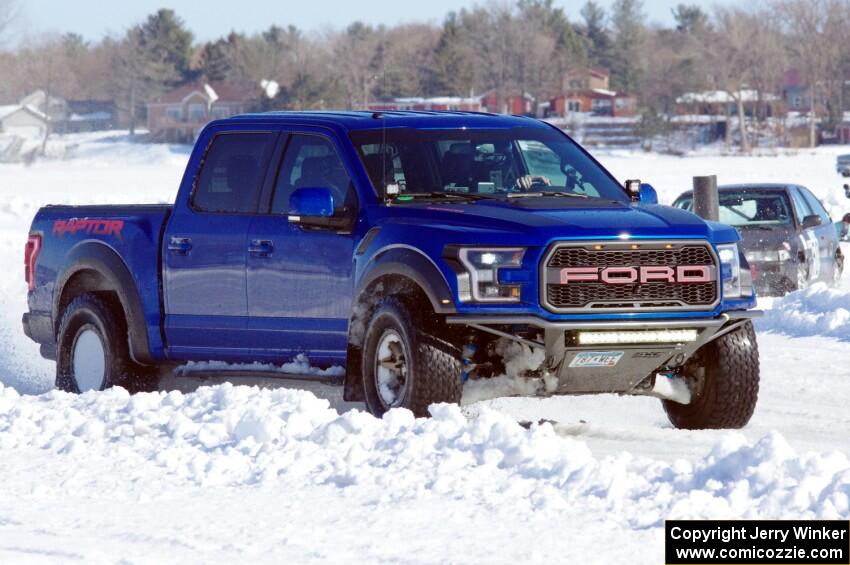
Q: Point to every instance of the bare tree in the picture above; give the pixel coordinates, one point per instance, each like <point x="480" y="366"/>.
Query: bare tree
<point x="730" y="59"/>
<point x="129" y="86"/>
<point x="45" y="63"/>
<point x="493" y="32"/>
<point x="352" y="50"/>
<point x="814" y="30"/>
<point x="9" y="11"/>
<point x="767" y="56"/>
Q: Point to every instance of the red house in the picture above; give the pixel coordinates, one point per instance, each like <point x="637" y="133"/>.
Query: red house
<point x="180" y="114"/>
<point x="586" y="90"/>
<point x="435" y="104"/>
<point x="512" y="102"/>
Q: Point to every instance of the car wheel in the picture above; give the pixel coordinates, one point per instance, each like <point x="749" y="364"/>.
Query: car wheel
<point x="837" y="268"/>
<point x="93" y="352"/>
<point x="802" y="276"/>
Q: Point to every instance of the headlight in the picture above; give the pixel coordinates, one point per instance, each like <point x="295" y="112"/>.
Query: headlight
<point x="480" y="282"/>
<point x="730" y="269"/>
<point x="771" y="256"/>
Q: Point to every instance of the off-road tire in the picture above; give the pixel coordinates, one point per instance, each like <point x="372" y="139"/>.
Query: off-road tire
<point x="434" y="373"/>
<point x="730" y="384"/>
<point x="104" y="317"/>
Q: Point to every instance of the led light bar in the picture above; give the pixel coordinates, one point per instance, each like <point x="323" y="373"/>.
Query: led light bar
<point x="637" y="336"/>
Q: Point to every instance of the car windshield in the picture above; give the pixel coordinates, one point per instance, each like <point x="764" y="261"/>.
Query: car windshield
<point x="481" y="163"/>
<point x="750" y="208"/>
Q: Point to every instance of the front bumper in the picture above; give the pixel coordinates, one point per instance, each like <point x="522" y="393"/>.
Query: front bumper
<point x="633" y="367"/>
<point x="773" y="278"/>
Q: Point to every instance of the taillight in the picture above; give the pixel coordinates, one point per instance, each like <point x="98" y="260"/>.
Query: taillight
<point x="30" y="255"/>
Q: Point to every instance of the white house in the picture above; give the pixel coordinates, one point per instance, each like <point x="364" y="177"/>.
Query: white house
<point x="23" y="120"/>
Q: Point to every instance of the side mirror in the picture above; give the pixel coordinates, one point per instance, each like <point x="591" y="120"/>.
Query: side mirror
<point x="308" y="204"/>
<point x="811" y="221"/>
<point x="647" y="194"/>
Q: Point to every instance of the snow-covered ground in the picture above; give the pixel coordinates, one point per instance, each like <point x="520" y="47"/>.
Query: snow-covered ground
<point x="237" y="473"/>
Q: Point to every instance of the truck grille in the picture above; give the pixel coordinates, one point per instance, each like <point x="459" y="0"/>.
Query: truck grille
<point x="622" y="277"/>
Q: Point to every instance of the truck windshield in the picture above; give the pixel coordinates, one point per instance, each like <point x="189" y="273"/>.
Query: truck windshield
<point x="480" y="162"/>
<point x="749" y="208"/>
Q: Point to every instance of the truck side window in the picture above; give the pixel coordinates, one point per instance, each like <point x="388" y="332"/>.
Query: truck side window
<point x="231" y="175"/>
<point x="311" y="162"/>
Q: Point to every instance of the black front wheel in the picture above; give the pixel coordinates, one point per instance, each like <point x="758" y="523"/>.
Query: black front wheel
<point x="93" y="352"/>
<point x="724" y="381"/>
<point x="403" y="366"/>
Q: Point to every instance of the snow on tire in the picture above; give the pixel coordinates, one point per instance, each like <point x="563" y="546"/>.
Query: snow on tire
<point x="725" y="375"/>
<point x="93" y="352"/>
<point x="405" y="367"/>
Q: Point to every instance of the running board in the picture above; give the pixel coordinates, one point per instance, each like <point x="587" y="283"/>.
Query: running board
<point x="181" y="372"/>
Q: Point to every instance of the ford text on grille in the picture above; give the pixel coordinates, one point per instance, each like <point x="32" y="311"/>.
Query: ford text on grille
<point x="628" y="275"/>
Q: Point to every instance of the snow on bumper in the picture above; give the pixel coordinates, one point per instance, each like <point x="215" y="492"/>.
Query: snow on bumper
<point x="608" y="356"/>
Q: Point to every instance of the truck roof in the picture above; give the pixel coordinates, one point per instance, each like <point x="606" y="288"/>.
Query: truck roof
<point x="362" y="120"/>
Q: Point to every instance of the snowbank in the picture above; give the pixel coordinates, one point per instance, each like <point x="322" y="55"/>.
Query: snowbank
<point x="238" y="436"/>
<point x="818" y="310"/>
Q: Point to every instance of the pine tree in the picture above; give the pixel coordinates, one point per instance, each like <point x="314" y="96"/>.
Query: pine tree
<point x="627" y="21"/>
<point x="597" y="38"/>
<point x="690" y="19"/>
<point x="215" y="60"/>
<point x="452" y="72"/>
<point x="166" y="47"/>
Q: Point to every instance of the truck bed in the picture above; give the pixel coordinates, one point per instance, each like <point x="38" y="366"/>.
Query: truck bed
<point x="74" y="237"/>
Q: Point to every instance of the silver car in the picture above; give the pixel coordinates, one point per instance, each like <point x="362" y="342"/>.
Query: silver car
<point x="789" y="239"/>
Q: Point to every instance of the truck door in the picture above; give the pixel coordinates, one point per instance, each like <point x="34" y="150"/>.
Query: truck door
<point x="205" y="248"/>
<point x="300" y="279"/>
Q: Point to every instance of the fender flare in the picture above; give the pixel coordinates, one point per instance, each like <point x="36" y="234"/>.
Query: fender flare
<point x="410" y="263"/>
<point x="98" y="257"/>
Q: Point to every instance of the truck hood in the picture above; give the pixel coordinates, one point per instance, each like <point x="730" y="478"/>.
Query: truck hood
<point x="533" y="221"/>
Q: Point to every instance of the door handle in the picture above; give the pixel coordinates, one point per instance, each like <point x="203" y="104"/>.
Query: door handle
<point x="180" y="245"/>
<point x="261" y="248"/>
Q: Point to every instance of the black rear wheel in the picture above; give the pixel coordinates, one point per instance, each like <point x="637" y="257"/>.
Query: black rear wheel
<point x="93" y="352"/>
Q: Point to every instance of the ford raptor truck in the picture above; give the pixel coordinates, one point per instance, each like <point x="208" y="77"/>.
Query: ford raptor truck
<point x="405" y="247"/>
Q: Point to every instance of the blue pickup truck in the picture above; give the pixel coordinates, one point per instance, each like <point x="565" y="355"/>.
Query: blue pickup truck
<point x="406" y="247"/>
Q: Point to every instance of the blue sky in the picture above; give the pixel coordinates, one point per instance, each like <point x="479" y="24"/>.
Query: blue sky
<point x="212" y="18"/>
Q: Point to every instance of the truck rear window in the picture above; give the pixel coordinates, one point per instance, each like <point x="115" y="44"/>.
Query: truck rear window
<point x="232" y="173"/>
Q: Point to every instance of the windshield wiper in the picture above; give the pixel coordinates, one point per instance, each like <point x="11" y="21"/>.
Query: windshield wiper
<point x="539" y="194"/>
<point x="429" y="195"/>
